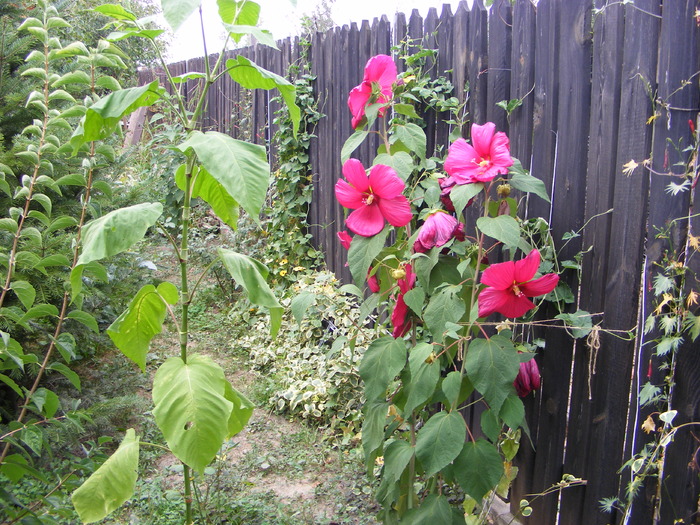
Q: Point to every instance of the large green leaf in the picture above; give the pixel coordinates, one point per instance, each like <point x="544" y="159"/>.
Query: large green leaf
<point x="397" y="456"/>
<point x="503" y="228"/>
<point x="242" y="410"/>
<point x="251" y="275"/>
<point x="177" y="11"/>
<point x="111" y="484"/>
<point x="191" y="408"/>
<point x="425" y="374"/>
<point x="103" y="117"/>
<point x="212" y="192"/>
<point x="521" y="180"/>
<point x="447" y="306"/>
<point x="239" y="167"/>
<point x="413" y="137"/>
<point x="133" y="330"/>
<point x="375" y="413"/>
<point x="249" y="75"/>
<point x="242" y="12"/>
<point x="461" y="194"/>
<point x="117" y="231"/>
<point x="492" y="365"/>
<point x="352" y="143"/>
<point x="261" y="35"/>
<point x="383" y="360"/>
<point x="435" y="509"/>
<point x="401" y="162"/>
<point x="478" y="468"/>
<point x="440" y="441"/>
<point x="363" y="250"/>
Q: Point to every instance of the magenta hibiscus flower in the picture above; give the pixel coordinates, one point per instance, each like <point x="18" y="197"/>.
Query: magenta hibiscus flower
<point x="489" y="156"/>
<point x="399" y="317"/>
<point x="509" y="285"/>
<point x="376" y="86"/>
<point x="375" y="198"/>
<point x="528" y="378"/>
<point x="438" y="228"/>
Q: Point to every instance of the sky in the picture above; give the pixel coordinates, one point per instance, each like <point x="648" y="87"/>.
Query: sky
<point x="283" y="19"/>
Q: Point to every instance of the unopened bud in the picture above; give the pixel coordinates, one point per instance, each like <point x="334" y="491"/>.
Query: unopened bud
<point x="503" y="190"/>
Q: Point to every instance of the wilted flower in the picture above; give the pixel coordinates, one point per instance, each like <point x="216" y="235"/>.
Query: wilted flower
<point x="509" y="284"/>
<point x="399" y="317"/>
<point x="376" y="86"/>
<point x="488" y="157"/>
<point x="528" y="378"/>
<point x="374" y="198"/>
<point x="439" y="227"/>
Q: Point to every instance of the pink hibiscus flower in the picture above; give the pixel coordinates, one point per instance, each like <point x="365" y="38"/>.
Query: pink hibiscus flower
<point x="376" y="86"/>
<point x="438" y="228"/>
<point x="509" y="284"/>
<point x="399" y="317"/>
<point x="488" y="157"/>
<point x="372" y="280"/>
<point x="375" y="198"/>
<point x="528" y="378"/>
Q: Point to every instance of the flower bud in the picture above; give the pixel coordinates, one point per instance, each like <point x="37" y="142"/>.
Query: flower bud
<point x="399" y="273"/>
<point x="503" y="190"/>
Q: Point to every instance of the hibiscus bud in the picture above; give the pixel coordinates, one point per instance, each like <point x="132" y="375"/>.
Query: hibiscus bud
<point x="528" y="378"/>
<point x="691" y="125"/>
<point x="399" y="273"/>
<point x="503" y="190"/>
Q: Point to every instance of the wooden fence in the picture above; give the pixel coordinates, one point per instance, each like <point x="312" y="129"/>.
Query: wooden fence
<point x="601" y="85"/>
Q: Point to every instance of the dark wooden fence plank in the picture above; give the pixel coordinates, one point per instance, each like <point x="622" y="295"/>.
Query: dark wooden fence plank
<point x="499" y="50"/>
<point x="549" y="428"/>
<point x="460" y="53"/>
<point x="592" y="415"/>
<point x="478" y="62"/>
<point x="430" y="41"/>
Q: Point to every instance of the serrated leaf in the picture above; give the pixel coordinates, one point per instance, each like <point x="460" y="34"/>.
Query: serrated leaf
<point x="102" y="118"/>
<point x="492" y="365"/>
<point x="433" y="510"/>
<point x="413" y="137"/>
<point x="440" y="441"/>
<point x="10" y="382"/>
<point x="523" y="181"/>
<point x="425" y="374"/>
<point x="110" y="485"/>
<point x="177" y="11"/>
<point x="352" y="143"/>
<point x="46" y="401"/>
<point x="692" y="324"/>
<point x="363" y="250"/>
<point x="134" y="329"/>
<point x="191" y="408"/>
<point x="251" y="275"/>
<point x="401" y="162"/>
<point x="383" y="360"/>
<point x="262" y="36"/>
<point x="451" y="387"/>
<point x="447" y="306"/>
<point x="115" y="11"/>
<point x="67" y="373"/>
<point x="512" y="412"/>
<point x="414" y="299"/>
<point x="239" y="167"/>
<point x="503" y="228"/>
<point x="117" y="231"/>
<point x="461" y="194"/>
<point x="373" y="430"/>
<point x="216" y="195"/>
<point x="478" y="468"/>
<point x="397" y="456"/>
<point x="251" y="76"/>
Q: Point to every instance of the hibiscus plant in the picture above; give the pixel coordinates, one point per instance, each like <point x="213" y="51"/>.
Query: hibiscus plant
<point x="455" y="330"/>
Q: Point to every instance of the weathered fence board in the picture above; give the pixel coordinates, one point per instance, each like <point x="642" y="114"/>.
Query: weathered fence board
<point x="588" y="87"/>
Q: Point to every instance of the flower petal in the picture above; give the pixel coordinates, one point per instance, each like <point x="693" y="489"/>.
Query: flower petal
<point x="373" y="281"/>
<point x="366" y="221"/>
<point x="354" y="171"/>
<point x="517" y="306"/>
<point x="541" y="286"/>
<point x="396" y="211"/>
<point x="381" y="69"/>
<point x="357" y="100"/>
<point x="525" y="269"/>
<point x="500" y="152"/>
<point x="481" y="138"/>
<point x="461" y="162"/>
<point x="385" y="182"/>
<point x="399" y="318"/>
<point x="348" y="196"/>
<point x="492" y="300"/>
<point x="500" y="275"/>
<point x="345" y="239"/>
